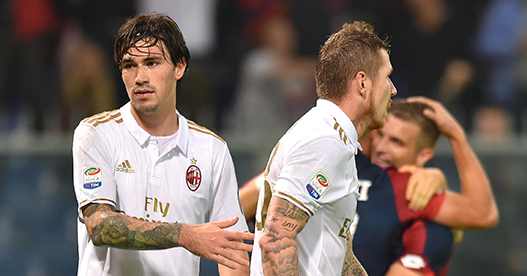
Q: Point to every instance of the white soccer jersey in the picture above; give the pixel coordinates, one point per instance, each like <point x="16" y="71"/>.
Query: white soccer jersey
<point x="313" y="167"/>
<point x="116" y="162"/>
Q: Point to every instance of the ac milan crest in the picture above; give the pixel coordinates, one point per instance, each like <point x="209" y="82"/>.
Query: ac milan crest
<point x="193" y="177"/>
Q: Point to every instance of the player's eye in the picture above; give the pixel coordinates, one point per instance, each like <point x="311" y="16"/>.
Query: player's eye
<point x="151" y="63"/>
<point x="397" y="142"/>
<point x="128" y="65"/>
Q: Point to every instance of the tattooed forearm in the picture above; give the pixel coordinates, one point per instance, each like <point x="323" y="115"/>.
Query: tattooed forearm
<point x="117" y="230"/>
<point x="352" y="266"/>
<point x="278" y="243"/>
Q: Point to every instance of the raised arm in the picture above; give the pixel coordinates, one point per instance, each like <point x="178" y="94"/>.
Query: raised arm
<point x="278" y="243"/>
<point x="475" y="207"/>
<point x="109" y="228"/>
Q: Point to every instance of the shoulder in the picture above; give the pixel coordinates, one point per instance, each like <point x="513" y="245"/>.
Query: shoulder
<point x="315" y="129"/>
<point x="204" y="133"/>
<point x="103" y="124"/>
<point x="316" y="143"/>
<point x="106" y="117"/>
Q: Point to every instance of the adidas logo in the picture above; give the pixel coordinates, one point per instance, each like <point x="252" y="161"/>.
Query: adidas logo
<point x="125" y="167"/>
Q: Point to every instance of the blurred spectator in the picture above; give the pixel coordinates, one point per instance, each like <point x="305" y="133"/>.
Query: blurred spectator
<point x="238" y="24"/>
<point x="196" y="20"/>
<point x="35" y="30"/>
<point x="431" y="52"/>
<point x="88" y="76"/>
<point x="520" y="76"/>
<point x="312" y="21"/>
<point x="493" y="125"/>
<point x="276" y="88"/>
<point x="86" y="83"/>
<point x="499" y="45"/>
<point x="7" y="72"/>
<point x="227" y="55"/>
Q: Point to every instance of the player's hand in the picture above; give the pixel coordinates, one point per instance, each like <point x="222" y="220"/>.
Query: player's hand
<point x="446" y="123"/>
<point x="423" y="184"/>
<point x="211" y="241"/>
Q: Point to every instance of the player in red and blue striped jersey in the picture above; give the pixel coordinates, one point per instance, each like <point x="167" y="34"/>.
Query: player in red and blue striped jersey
<point x="408" y="139"/>
<point x="383" y="213"/>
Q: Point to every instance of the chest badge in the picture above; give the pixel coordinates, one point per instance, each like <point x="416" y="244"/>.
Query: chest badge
<point x="193" y="176"/>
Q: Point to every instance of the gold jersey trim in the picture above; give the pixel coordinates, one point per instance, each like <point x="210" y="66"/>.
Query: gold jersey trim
<point x="202" y="129"/>
<point x="104" y="117"/>
<point x="268" y="168"/>
<point x="265" y="207"/>
<point x="98" y="199"/>
<point x="295" y="200"/>
<point x="342" y="135"/>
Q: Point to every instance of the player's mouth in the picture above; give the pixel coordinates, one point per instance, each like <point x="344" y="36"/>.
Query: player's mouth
<point x="382" y="163"/>
<point x="142" y="93"/>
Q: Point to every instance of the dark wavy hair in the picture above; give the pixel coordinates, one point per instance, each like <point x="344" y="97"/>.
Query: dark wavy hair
<point x="152" y="28"/>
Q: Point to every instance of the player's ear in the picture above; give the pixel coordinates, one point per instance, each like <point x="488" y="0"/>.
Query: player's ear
<point x="181" y="67"/>
<point x="360" y="81"/>
<point x="424" y="156"/>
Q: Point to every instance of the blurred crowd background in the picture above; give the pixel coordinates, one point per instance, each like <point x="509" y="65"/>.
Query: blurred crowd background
<point x="251" y="75"/>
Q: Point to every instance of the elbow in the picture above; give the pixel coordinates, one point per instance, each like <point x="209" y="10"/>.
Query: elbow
<point x="493" y="219"/>
<point x="96" y="241"/>
<point x="95" y="230"/>
<point x="95" y="236"/>
<point x="489" y="220"/>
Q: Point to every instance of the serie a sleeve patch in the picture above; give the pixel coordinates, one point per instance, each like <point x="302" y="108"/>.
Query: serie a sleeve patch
<point x="318" y="185"/>
<point x="92" y="177"/>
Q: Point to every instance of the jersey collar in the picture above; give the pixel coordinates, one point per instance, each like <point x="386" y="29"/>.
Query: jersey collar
<point x="142" y="137"/>
<point x="343" y="120"/>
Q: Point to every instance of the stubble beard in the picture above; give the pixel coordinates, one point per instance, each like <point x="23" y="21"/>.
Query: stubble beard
<point x="375" y="121"/>
<point x="145" y="107"/>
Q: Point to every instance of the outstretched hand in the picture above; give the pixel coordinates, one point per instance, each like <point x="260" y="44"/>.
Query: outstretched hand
<point x="211" y="241"/>
<point x="446" y="123"/>
<point x="423" y="184"/>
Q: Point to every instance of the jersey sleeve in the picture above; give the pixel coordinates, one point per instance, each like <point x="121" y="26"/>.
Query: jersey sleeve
<point x="426" y="248"/>
<point x="93" y="174"/>
<point x="400" y="183"/>
<point x="317" y="173"/>
<point x="226" y="203"/>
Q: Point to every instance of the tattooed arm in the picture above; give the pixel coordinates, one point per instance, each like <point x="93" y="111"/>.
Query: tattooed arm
<point x="352" y="266"/>
<point x="109" y="228"/>
<point x="278" y="243"/>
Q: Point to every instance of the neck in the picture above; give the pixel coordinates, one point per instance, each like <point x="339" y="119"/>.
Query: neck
<point x="157" y="123"/>
<point x="356" y="115"/>
<point x="360" y="125"/>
